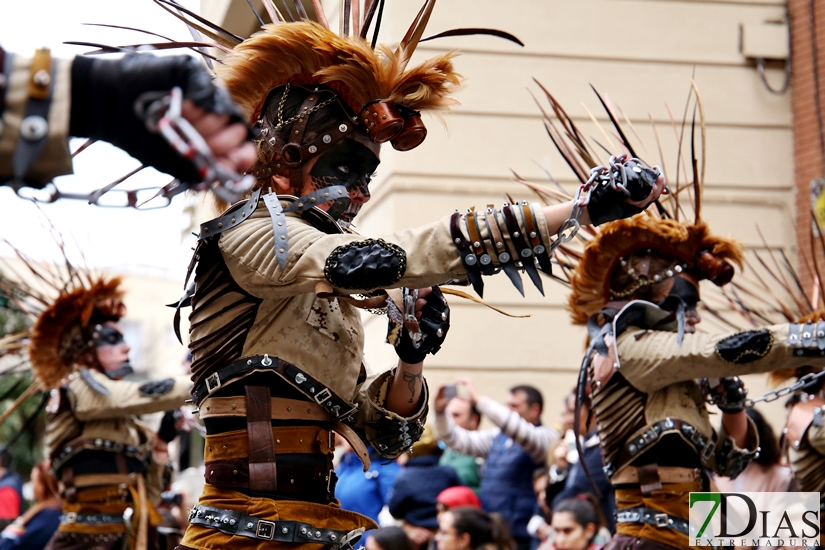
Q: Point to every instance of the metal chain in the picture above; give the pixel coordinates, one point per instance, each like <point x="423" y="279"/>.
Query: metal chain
<point x="803" y="382"/>
<point x="282" y="122"/>
<point x="598" y="175"/>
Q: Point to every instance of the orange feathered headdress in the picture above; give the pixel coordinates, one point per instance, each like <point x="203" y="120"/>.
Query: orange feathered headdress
<point x="60" y="336"/>
<point x="590" y="282"/>
<point x="307" y="53"/>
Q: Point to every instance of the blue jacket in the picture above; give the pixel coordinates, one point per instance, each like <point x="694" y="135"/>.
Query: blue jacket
<point x="507" y="484"/>
<point x="365" y="492"/>
<point x="39" y="530"/>
<point x="416" y="488"/>
<point x="578" y="483"/>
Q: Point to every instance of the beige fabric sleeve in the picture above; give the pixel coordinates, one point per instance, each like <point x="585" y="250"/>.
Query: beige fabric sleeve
<point x="124" y="398"/>
<point x="54" y="159"/>
<point x="249" y="252"/>
<point x="651" y="360"/>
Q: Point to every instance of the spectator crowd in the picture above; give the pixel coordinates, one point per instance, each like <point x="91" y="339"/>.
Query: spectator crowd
<point x="517" y="485"/>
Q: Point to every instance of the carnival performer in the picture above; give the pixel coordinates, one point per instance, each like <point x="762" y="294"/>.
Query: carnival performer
<point x="636" y="288"/>
<point x="804" y="432"/>
<point x="44" y="100"/>
<point x="101" y="453"/>
<point x="275" y="333"/>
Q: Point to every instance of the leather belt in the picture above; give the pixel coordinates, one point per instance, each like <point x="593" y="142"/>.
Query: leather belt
<point x="465" y="252"/>
<point x="281" y="409"/>
<point x="97" y="444"/>
<point x="292" y="480"/>
<point x="90" y="519"/>
<point x="233" y="522"/>
<point x="649" y="516"/>
<point x="284" y="409"/>
<point x="312" y="388"/>
<point x="636" y="445"/>
<point x="667" y="474"/>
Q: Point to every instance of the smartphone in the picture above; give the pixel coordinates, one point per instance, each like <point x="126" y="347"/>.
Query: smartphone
<point x="450" y="391"/>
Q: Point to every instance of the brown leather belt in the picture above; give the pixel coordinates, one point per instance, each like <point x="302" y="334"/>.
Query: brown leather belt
<point x="287" y="439"/>
<point x="281" y="409"/>
<point x="234" y="474"/>
<point x="285" y="409"/>
<point x="667" y="474"/>
<point x="306" y="384"/>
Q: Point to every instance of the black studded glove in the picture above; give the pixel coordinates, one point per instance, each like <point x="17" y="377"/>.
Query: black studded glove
<point x="434" y="324"/>
<point x="608" y="204"/>
<point x="106" y="94"/>
<point x="727" y="393"/>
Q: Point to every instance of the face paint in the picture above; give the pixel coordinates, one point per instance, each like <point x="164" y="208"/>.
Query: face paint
<point x="109" y="336"/>
<point x="350" y="164"/>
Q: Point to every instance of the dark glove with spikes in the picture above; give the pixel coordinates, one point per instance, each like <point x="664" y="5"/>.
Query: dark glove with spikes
<point x="434" y="324"/>
<point x="728" y="394"/>
<point x="109" y="98"/>
<point x="607" y="200"/>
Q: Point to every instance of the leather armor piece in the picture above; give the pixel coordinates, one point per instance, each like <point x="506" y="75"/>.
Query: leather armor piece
<point x="607" y="204"/>
<point x="745" y="347"/>
<point x="434" y="324"/>
<point x="391" y="434"/>
<point x="156" y="388"/>
<point x="372" y="263"/>
<point x="218" y="300"/>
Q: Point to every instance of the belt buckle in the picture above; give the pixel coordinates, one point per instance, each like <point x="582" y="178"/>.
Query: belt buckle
<point x="209" y="382"/>
<point x="265" y="529"/>
<point x="349" y="412"/>
<point x="69" y="517"/>
<point x="661" y="520"/>
<point x="322" y="396"/>
<point x="707" y="452"/>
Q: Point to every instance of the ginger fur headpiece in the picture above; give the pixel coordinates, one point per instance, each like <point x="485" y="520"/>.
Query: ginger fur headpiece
<point x="305" y="53"/>
<point x="691" y="245"/>
<point x="63" y="336"/>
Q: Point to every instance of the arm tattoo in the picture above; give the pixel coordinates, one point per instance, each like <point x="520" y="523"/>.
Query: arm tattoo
<point x="410" y="379"/>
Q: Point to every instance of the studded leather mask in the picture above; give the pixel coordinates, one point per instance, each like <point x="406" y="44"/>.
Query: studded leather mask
<point x="683" y="292"/>
<point x="350" y="164"/>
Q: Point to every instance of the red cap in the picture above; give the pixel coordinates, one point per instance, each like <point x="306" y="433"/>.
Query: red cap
<point x="458" y="496"/>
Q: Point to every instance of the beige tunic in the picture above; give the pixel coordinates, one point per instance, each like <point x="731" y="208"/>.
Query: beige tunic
<point x="264" y="309"/>
<point x="81" y="418"/>
<point x="654" y="380"/>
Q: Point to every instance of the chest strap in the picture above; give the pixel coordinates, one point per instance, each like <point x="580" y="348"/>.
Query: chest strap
<point x="233" y="522"/>
<point x="704" y="446"/>
<point x="309" y="386"/>
<point x="649" y="516"/>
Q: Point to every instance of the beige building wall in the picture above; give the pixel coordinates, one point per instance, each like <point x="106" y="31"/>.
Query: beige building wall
<point x="642" y="54"/>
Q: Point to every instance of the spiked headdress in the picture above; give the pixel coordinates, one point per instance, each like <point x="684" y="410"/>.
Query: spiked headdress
<point x="690" y="245"/>
<point x="65" y="333"/>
